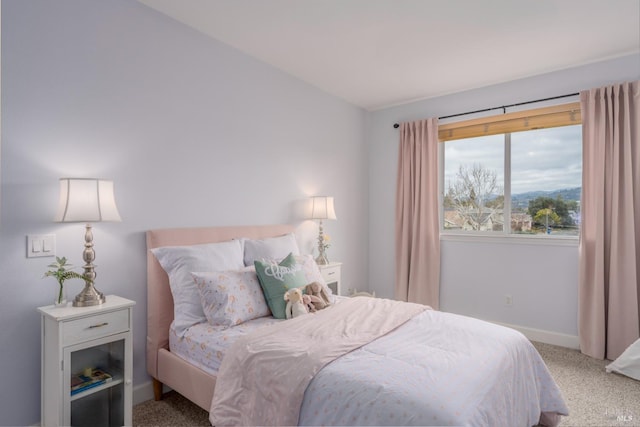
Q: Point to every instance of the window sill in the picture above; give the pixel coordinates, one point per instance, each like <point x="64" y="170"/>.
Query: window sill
<point x="510" y="239"/>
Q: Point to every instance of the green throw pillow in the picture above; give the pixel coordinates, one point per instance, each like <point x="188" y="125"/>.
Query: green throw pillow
<point x="277" y="279"/>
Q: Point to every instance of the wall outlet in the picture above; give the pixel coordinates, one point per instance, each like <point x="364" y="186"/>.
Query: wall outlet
<point x="508" y="300"/>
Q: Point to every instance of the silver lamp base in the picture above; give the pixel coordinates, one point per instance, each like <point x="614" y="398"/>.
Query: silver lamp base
<point x="88" y="297"/>
<point x="322" y="256"/>
<point x="322" y="259"/>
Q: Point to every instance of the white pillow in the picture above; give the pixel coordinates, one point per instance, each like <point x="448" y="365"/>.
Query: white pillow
<point x="232" y="297"/>
<point x="628" y="363"/>
<point x="270" y="249"/>
<point x="180" y="261"/>
<point x="312" y="273"/>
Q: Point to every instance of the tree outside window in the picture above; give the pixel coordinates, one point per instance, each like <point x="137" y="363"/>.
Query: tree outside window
<point x="543" y="169"/>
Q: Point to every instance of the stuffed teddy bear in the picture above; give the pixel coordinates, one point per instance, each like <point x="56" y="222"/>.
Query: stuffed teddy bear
<point x="320" y="298"/>
<point x="295" y="306"/>
<point x="310" y="301"/>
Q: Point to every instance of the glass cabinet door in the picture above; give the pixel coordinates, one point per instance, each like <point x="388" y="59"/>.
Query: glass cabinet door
<point x="94" y="382"/>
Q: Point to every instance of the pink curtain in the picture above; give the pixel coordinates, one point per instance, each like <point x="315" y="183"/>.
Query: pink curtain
<point x="609" y="289"/>
<point x="417" y="226"/>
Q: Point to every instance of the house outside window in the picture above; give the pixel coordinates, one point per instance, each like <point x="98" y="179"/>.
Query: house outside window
<point x="515" y="174"/>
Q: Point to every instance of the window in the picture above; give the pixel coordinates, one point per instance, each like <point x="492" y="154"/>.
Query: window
<point x="518" y="173"/>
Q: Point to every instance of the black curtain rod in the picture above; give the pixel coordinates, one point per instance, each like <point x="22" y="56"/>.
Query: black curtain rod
<point x="503" y="108"/>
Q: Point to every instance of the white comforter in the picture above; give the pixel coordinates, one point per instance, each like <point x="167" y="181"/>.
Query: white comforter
<point x="436" y="369"/>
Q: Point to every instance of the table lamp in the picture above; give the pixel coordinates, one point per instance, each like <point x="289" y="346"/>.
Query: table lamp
<point x="322" y="208"/>
<point x="87" y="200"/>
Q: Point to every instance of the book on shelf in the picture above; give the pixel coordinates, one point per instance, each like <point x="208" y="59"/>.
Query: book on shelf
<point x="81" y="382"/>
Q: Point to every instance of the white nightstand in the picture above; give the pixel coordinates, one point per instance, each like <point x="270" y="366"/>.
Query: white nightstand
<point x="331" y="275"/>
<point x="78" y="338"/>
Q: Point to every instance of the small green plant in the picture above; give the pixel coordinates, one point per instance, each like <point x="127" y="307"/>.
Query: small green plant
<point x="325" y="242"/>
<point x="63" y="271"/>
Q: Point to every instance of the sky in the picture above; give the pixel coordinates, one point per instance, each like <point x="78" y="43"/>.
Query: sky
<point x="541" y="160"/>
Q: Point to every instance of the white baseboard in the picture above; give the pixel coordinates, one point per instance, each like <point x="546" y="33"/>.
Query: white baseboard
<point x="547" y="337"/>
<point x="144" y="392"/>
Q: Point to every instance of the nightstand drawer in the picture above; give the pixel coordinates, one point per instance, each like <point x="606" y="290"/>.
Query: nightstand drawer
<point x="331" y="274"/>
<point x="96" y="326"/>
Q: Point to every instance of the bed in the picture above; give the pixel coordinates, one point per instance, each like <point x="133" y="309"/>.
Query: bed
<point x="476" y="373"/>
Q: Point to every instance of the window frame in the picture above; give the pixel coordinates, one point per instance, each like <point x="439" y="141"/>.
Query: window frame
<point x="527" y="120"/>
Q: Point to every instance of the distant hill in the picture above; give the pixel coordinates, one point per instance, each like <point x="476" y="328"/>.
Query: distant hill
<point x="522" y="200"/>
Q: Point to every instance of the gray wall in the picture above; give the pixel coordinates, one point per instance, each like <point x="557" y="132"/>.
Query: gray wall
<point x="192" y="132"/>
<point x="475" y="276"/>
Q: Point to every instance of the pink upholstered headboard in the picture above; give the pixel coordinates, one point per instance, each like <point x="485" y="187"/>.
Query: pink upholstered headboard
<point x="159" y="299"/>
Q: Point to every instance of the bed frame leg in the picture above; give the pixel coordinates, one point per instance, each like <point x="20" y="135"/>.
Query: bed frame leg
<point x="157" y="389"/>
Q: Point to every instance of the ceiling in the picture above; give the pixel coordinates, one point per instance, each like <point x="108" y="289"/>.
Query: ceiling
<point x="378" y="53"/>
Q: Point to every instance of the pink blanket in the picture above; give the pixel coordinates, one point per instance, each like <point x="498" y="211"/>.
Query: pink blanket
<point x="263" y="376"/>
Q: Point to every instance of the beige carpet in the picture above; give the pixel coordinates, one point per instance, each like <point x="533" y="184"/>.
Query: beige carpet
<point x="594" y="397"/>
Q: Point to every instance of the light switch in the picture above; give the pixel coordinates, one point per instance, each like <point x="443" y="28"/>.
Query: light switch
<point x="48" y="243"/>
<point x="39" y="245"/>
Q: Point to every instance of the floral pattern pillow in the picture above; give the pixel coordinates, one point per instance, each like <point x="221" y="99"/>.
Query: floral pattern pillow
<point x="180" y="261"/>
<point x="231" y="297"/>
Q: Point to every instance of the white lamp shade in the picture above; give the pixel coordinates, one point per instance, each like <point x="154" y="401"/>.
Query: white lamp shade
<point x="86" y="200"/>
<point x="322" y="208"/>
